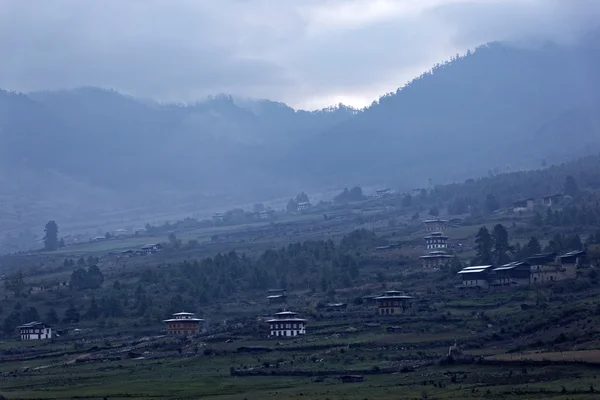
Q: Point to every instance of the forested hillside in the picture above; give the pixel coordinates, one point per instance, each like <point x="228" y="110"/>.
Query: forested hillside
<point x="500" y="108"/>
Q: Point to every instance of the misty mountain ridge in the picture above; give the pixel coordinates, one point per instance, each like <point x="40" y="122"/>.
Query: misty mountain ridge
<point x="500" y="107"/>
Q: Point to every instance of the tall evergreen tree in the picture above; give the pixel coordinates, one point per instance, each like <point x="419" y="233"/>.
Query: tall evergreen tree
<point x="51" y="236"/>
<point x="532" y="247"/>
<point x="484" y="247"/>
<point x="501" y="245"/>
<point x="571" y="187"/>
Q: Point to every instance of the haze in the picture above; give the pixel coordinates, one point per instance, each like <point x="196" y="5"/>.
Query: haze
<point x="309" y="54"/>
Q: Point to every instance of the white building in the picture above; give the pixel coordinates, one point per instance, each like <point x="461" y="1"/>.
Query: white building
<point x="436" y="241"/>
<point x="35" y="331"/>
<point x="303" y="206"/>
<point x="286" y="324"/>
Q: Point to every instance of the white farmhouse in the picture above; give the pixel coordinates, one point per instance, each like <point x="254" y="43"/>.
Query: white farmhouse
<point x="35" y="331"/>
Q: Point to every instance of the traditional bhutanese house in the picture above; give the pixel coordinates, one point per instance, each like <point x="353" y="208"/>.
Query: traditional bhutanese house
<point x="266" y="214"/>
<point x="218" y="217"/>
<point x="435" y="259"/>
<point x="379" y="193"/>
<point x="436" y="240"/>
<point x="577" y="258"/>
<point x="276" y="298"/>
<point x="476" y="276"/>
<point x="545" y="268"/>
<point x="303" y="206"/>
<point x="183" y="324"/>
<point x="571" y="261"/>
<point x="35" y="331"/>
<point x="512" y="274"/>
<point x="393" y="302"/>
<point x="286" y="324"/>
<point x="435" y="225"/>
<point x="336" y="306"/>
<point x="152" y="248"/>
<point x="524" y="204"/>
<point x="552" y="200"/>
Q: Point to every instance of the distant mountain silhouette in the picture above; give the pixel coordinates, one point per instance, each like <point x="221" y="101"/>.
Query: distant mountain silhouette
<point x="499" y="107"/>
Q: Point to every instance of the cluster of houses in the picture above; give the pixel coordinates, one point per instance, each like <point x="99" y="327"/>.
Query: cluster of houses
<point x="528" y="203"/>
<point x="537" y="269"/>
<point x="146" y="250"/>
<point x="263" y="215"/>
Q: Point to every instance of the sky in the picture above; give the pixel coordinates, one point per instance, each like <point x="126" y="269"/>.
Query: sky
<point x="307" y="53"/>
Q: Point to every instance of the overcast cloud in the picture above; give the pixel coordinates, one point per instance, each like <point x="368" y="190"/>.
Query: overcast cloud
<point x="308" y="53"/>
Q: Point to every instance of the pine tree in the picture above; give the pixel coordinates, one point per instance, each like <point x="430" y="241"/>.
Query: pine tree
<point x="484" y="247"/>
<point x="532" y="247"/>
<point x="501" y="245"/>
<point x="51" y="236"/>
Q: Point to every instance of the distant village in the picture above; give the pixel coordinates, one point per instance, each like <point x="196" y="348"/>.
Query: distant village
<point x="544" y="268"/>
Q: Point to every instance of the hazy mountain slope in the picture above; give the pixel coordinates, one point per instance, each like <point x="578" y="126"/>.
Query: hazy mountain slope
<point x="499" y="108"/>
<point x="139" y="152"/>
<point x="475" y="113"/>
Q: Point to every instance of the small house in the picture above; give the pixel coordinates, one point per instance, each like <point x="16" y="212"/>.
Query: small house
<point x="35" y="331"/>
<point x="336" y="306"/>
<point x="436" y="259"/>
<point x="218" y="217"/>
<point x="524" y="204"/>
<point x="476" y="276"/>
<point x="183" y="324"/>
<point x="276" y="298"/>
<point x="352" y="378"/>
<point x="286" y="324"/>
<point x="436" y="240"/>
<point x="266" y="214"/>
<point x="552" y="200"/>
<point x="152" y="249"/>
<point x="303" y="206"/>
<point x="435" y="225"/>
<point x="380" y="193"/>
<point x="393" y="302"/>
<point x="575" y="258"/>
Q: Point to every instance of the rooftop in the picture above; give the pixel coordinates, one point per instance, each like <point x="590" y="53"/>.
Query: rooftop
<point x="475" y="269"/>
<point x="33" y="324"/>
<point x="574" y="253"/>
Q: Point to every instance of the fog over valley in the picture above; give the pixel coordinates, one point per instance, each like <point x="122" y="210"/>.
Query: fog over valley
<point x="123" y="113"/>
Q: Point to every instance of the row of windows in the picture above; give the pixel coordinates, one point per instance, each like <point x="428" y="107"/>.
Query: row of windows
<point x="288" y="326"/>
<point x="386" y="311"/>
<point x="429" y="241"/>
<point x="188" y="325"/>
<point x="394" y="303"/>
<point x="182" y="332"/>
<point x="436" y="246"/>
<point x="35" y="330"/>
<point x="285" y="333"/>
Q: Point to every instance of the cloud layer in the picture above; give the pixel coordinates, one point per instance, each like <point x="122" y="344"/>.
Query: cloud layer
<point x="308" y="53"/>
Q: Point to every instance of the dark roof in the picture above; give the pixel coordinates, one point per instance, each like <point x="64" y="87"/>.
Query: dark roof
<point x="543" y="257"/>
<point x="550" y="196"/>
<point x="34" y="324"/>
<point x="575" y="253"/>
